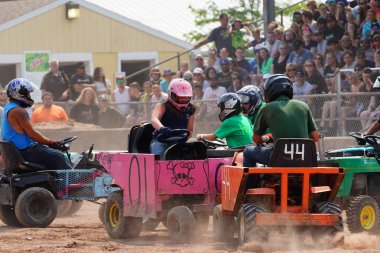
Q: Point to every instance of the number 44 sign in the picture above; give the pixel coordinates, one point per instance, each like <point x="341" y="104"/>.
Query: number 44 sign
<point x="295" y="149"/>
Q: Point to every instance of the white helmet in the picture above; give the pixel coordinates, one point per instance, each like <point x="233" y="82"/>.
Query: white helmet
<point x="180" y="93"/>
<point x="19" y="89"/>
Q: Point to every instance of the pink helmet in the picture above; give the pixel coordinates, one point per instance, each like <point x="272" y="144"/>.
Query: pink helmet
<point x="180" y="93"/>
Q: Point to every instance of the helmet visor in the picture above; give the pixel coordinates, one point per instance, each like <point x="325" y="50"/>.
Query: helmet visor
<point x="244" y="98"/>
<point x="180" y="100"/>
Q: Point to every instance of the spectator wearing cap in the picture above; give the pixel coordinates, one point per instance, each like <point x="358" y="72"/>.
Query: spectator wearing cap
<point x="361" y="59"/>
<point x="323" y="9"/>
<point x="224" y="78"/>
<point x="333" y="29"/>
<point x="200" y="62"/>
<point x="79" y="81"/>
<point x="183" y="67"/>
<point x="347" y="44"/>
<point x="309" y="43"/>
<point x="188" y="76"/>
<point x="155" y="75"/>
<point x="48" y="112"/>
<point x="257" y="39"/>
<point x="279" y="62"/>
<point x="307" y="18"/>
<point x="56" y="82"/>
<point x="348" y="60"/>
<point x="199" y="78"/>
<point x="322" y="26"/>
<point x="331" y="5"/>
<point x="240" y="59"/>
<point x="121" y="95"/>
<point x="371" y="26"/>
<point x="299" y="55"/>
<point x="168" y="76"/>
<point x="302" y="87"/>
<point x="333" y="46"/>
<point x="109" y="117"/>
<point x="220" y="36"/>
<point x="136" y="109"/>
<point x="212" y="60"/>
<point x="312" y="6"/>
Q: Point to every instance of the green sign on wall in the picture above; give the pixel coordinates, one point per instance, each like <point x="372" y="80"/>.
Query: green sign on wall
<point x="37" y="61"/>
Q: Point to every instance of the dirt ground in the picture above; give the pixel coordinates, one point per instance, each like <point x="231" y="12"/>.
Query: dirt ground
<point x="83" y="232"/>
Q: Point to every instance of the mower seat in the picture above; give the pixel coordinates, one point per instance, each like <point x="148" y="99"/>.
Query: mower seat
<point x="140" y="137"/>
<point x="294" y="153"/>
<point x="186" y="151"/>
<point x="14" y="163"/>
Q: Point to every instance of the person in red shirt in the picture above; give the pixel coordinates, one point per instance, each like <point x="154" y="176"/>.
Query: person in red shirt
<point x="48" y="111"/>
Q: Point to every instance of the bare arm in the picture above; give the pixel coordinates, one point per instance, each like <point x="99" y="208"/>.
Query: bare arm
<point x="210" y="137"/>
<point x="201" y="43"/>
<point x="157" y="113"/>
<point x="20" y="122"/>
<point x="374" y="128"/>
<point x="314" y="135"/>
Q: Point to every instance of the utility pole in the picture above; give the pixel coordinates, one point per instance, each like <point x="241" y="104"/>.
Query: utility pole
<point x="269" y="12"/>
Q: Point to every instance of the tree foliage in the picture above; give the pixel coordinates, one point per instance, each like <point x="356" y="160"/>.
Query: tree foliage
<point x="245" y="10"/>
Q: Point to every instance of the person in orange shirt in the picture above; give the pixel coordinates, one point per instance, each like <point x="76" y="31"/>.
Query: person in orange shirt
<point x="48" y="111"/>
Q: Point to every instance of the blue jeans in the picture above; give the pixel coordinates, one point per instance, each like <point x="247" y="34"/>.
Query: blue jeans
<point x="52" y="159"/>
<point x="159" y="148"/>
<point x="256" y="154"/>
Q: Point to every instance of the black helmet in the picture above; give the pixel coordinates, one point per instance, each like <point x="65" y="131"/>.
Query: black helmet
<point x="229" y="105"/>
<point x="277" y="85"/>
<point x="19" y="89"/>
<point x="251" y="95"/>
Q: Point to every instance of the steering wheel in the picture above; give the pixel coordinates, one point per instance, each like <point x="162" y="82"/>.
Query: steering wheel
<point x="360" y="138"/>
<point x="175" y="135"/>
<point x="214" y="144"/>
<point x="372" y="139"/>
<point x="65" y="143"/>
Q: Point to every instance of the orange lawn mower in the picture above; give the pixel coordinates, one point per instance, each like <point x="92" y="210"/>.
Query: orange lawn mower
<point x="291" y="192"/>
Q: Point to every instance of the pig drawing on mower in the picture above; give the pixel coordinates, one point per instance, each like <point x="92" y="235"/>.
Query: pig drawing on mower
<point x="180" y="190"/>
<point x="291" y="191"/>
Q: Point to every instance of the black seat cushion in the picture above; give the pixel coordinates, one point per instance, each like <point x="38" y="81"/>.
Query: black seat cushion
<point x="294" y="153"/>
<point x="140" y="137"/>
<point x="14" y="162"/>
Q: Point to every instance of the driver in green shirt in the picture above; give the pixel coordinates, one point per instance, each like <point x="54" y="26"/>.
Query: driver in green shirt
<point x="235" y="127"/>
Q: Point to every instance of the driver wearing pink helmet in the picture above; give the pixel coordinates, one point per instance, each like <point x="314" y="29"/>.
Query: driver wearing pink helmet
<point x="176" y="113"/>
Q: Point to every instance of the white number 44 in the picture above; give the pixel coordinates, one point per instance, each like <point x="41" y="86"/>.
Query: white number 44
<point x="299" y="150"/>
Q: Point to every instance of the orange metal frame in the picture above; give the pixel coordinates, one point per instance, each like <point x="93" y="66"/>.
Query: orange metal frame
<point x="233" y="191"/>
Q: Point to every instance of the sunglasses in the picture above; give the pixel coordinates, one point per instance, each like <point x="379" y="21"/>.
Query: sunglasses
<point x="282" y="48"/>
<point x="120" y="80"/>
<point x="199" y="59"/>
<point x="291" y="69"/>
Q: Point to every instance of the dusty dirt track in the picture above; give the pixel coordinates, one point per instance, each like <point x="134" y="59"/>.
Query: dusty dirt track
<point x="83" y="232"/>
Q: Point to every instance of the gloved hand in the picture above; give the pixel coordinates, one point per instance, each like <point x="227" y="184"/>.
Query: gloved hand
<point x="165" y="131"/>
<point x="55" y="144"/>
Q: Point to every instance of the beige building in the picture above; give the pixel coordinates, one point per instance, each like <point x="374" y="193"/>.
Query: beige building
<point x="98" y="37"/>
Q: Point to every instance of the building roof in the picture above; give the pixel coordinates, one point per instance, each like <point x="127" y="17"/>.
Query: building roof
<point x="23" y="10"/>
<point x="13" y="9"/>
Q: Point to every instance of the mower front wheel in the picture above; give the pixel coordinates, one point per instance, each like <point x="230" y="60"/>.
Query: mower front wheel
<point x="36" y="207"/>
<point x="327" y="208"/>
<point x="181" y="224"/>
<point x="8" y="216"/>
<point x="247" y="227"/>
<point x="362" y="214"/>
<point x="101" y="213"/>
<point x="222" y="225"/>
<point x="117" y="225"/>
<point x="74" y="208"/>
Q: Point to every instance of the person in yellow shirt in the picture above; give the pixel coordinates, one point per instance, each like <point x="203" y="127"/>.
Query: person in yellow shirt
<point x="48" y="111"/>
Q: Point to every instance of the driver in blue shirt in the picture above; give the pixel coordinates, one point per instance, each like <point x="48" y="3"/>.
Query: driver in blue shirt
<point x="17" y="128"/>
<point x="176" y="113"/>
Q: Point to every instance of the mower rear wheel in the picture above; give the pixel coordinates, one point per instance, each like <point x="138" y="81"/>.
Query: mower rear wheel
<point x="150" y="224"/>
<point x="362" y="214"/>
<point x="247" y="227"/>
<point x="117" y="225"/>
<point x="36" y="207"/>
<point x="63" y="207"/>
<point x="181" y="224"/>
<point x="101" y="213"/>
<point x="202" y="219"/>
<point x="222" y="225"/>
<point x="327" y="208"/>
<point x="75" y="206"/>
<point x="8" y="216"/>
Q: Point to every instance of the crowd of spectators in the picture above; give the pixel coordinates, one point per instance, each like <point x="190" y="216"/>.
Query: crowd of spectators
<point x="322" y="40"/>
